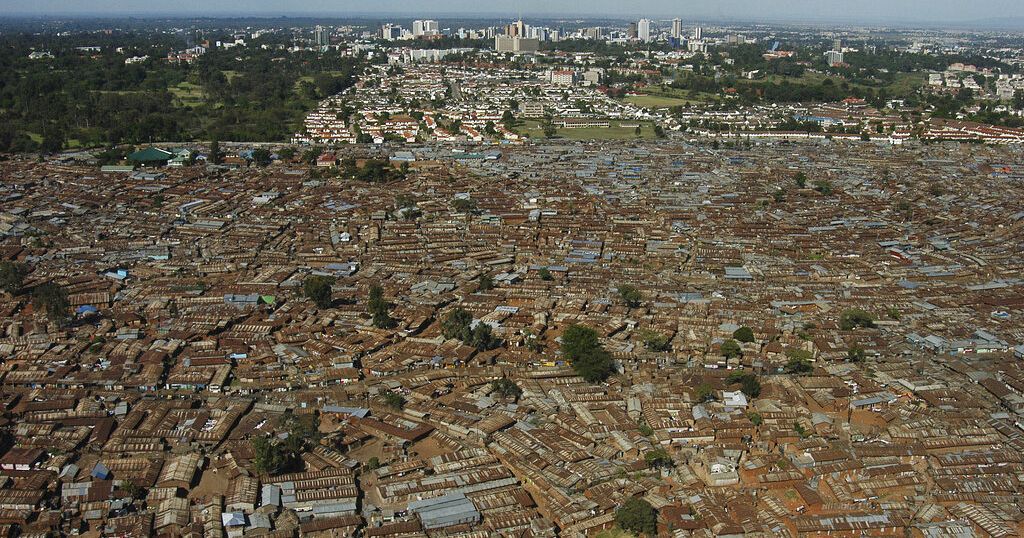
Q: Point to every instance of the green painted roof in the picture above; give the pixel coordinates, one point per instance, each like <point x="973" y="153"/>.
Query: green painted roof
<point x="150" y="155"/>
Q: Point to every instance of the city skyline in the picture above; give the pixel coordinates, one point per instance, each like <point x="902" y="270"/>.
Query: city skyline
<point x="1004" y="13"/>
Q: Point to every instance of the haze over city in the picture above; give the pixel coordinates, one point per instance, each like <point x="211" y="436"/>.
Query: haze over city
<point x="984" y="12"/>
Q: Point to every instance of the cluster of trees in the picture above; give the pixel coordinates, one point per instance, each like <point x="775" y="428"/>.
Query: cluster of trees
<point x="372" y="171"/>
<point x="464" y="205"/>
<point x="318" y="289"/>
<point x="581" y="347"/>
<point x="506" y="388"/>
<point x="657" y="342"/>
<point x="799" y="361"/>
<point x="637" y="516"/>
<point x="48" y="297"/>
<point x="95" y="99"/>
<point x="458" y="324"/>
<point x="748" y="382"/>
<point x="394" y="400"/>
<point x="12" y="276"/>
<point x="273" y="456"/>
<point x="630" y="295"/>
<point x="856" y="318"/>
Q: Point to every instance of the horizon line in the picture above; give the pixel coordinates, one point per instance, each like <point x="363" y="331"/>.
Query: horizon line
<point x="987" y="24"/>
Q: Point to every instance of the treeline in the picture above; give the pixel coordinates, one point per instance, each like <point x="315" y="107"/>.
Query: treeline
<point x="93" y="99"/>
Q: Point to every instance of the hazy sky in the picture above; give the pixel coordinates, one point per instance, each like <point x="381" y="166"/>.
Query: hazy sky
<point x="939" y="11"/>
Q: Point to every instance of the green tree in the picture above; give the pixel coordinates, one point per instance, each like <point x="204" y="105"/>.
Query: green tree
<point x="268" y="457"/>
<point x="378" y="308"/>
<point x="508" y="120"/>
<point x="638" y="131"/>
<point x="486" y="283"/>
<point x="855" y="354"/>
<point x="12" y="276"/>
<point x="506" y="388"/>
<point x="755" y="418"/>
<point x="801" y="180"/>
<point x="581" y="347"/>
<point x="481" y="337"/>
<point x="215" y="156"/>
<point x="855" y="318"/>
<point x="312" y="154"/>
<point x="456" y="325"/>
<point x="744" y="334"/>
<point x="823" y="186"/>
<point x="131" y="489"/>
<point x="549" y="129"/>
<point x="373" y="464"/>
<point x="394" y="400"/>
<point x="318" y="289"/>
<point x="286" y="154"/>
<point x="53" y="299"/>
<point x="261" y="156"/>
<point x="637" y="516"/>
<point x="730" y="349"/>
<point x="463" y="205"/>
<point x="705" y="393"/>
<point x="630" y="295"/>
<point x="748" y="382"/>
<point x="798" y="363"/>
<point x="658" y="458"/>
<point x="657" y="342"/>
<point x="545" y="274"/>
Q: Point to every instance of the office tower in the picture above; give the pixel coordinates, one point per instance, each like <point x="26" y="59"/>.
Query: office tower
<point x="390" y="32"/>
<point x="677" y="28"/>
<point x="321" y="37"/>
<point x="516" y="45"/>
<point x="834" y="57"/>
<point x="643" y="30"/>
<point x="631" y="32"/>
<point x="516" y="29"/>
<point x="698" y="33"/>
<point x="837" y="45"/>
<point x="424" y="28"/>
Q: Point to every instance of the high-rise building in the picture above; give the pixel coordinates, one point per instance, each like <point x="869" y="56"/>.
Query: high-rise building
<point x="834" y="57"/>
<point x="390" y="32"/>
<point x="321" y="36"/>
<point x="837" y="45"/>
<point x="631" y="32"/>
<point x="677" y="28"/>
<point x="516" y="29"/>
<point x="644" y="30"/>
<point x="516" y="45"/>
<point x="425" y="28"/>
<point x="698" y="33"/>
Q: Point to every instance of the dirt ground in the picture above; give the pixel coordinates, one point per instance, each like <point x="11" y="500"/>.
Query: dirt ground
<point x="210" y="484"/>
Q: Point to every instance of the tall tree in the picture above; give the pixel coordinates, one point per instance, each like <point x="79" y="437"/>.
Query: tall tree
<point x="581" y="347"/>
<point x="12" y="276"/>
<point x="53" y="299"/>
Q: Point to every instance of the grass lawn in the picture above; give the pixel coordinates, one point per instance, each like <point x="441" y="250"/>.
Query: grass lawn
<point x="614" y="532"/>
<point x="656" y="101"/>
<point x="230" y="74"/>
<point x="906" y="83"/>
<point x="615" y="131"/>
<point x="188" y="94"/>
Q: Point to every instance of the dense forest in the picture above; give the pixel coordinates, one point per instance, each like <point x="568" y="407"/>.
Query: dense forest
<point x="85" y="98"/>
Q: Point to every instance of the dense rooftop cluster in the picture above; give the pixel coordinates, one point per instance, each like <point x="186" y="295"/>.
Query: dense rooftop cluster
<point x="811" y="339"/>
